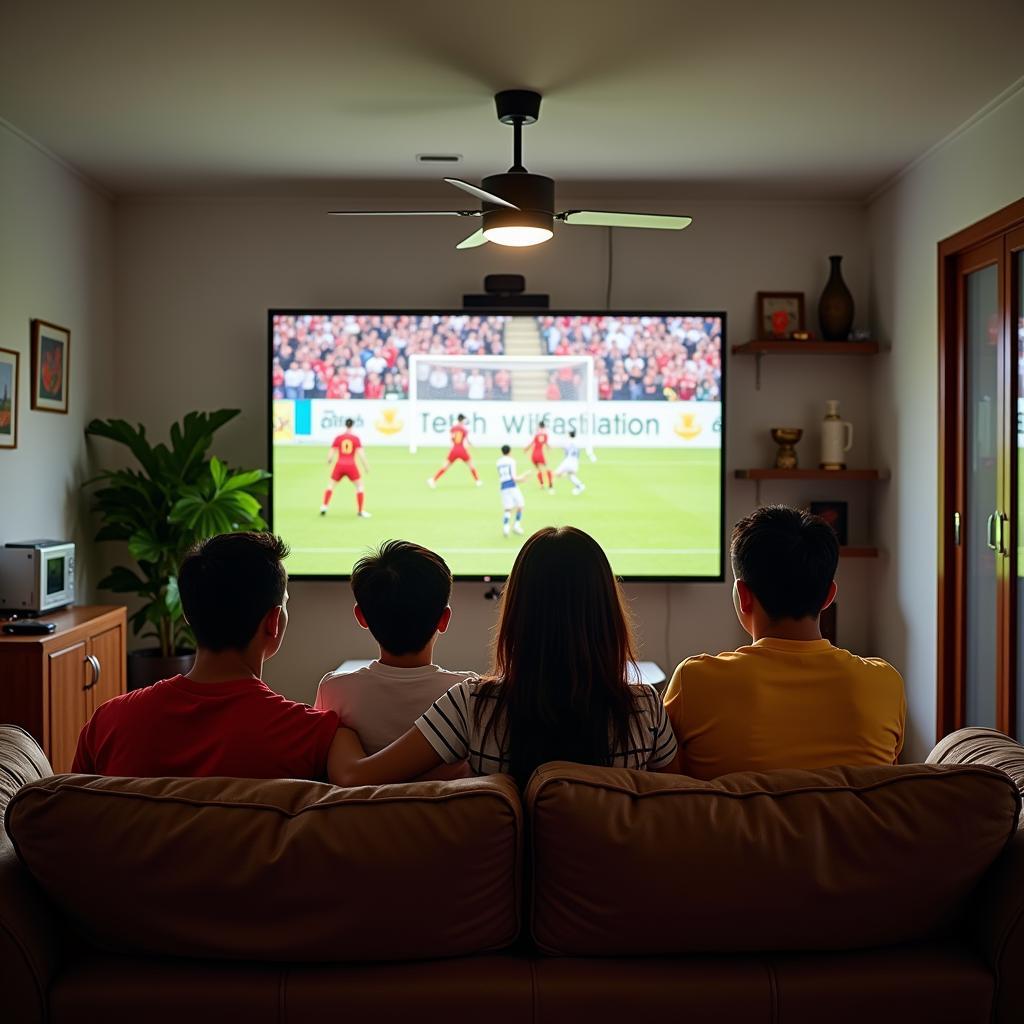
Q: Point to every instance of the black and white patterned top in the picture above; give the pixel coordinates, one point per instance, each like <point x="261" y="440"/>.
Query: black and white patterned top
<point x="450" y="727"/>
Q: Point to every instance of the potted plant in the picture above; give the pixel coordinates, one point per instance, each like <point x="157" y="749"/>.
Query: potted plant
<point x="177" y="496"/>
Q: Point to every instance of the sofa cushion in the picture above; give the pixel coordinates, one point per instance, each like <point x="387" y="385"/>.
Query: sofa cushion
<point x="629" y="862"/>
<point x="277" y="870"/>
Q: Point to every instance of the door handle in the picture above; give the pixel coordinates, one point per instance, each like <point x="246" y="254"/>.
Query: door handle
<point x="956" y="529"/>
<point x="94" y="664"/>
<point x="991" y="531"/>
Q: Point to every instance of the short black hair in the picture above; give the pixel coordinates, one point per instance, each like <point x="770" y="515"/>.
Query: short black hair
<point x="350" y="423"/>
<point x="787" y="557"/>
<point x="228" y="584"/>
<point x="505" y="449"/>
<point x="459" y="418"/>
<point x="402" y="589"/>
<point x="543" y="423"/>
<point x="572" y="433"/>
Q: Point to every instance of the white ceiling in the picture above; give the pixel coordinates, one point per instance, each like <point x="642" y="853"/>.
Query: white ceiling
<point x="751" y="98"/>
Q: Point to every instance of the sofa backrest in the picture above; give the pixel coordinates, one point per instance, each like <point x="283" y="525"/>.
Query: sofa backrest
<point x="626" y="862"/>
<point x="277" y="870"/>
<point x="21" y="761"/>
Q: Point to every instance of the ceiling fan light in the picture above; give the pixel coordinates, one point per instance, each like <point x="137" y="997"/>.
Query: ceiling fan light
<point x="527" y="226"/>
<point x="518" y="235"/>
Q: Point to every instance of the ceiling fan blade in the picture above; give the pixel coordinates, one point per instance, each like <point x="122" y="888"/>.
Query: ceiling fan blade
<point x="475" y="239"/>
<point x="404" y="213"/>
<point x="610" y="219"/>
<point x="487" y="197"/>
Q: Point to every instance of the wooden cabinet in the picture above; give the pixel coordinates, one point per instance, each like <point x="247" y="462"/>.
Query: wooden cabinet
<point x="50" y="685"/>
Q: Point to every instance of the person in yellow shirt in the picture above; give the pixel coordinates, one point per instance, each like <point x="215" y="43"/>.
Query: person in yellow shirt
<point x="789" y="699"/>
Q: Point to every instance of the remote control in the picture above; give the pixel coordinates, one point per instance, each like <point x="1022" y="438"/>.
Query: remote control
<point x="29" y="627"/>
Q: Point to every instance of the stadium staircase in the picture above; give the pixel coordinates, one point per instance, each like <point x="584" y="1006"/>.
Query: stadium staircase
<point x="523" y="339"/>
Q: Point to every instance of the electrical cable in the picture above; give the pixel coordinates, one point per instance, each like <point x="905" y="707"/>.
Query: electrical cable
<point x="608" y="284"/>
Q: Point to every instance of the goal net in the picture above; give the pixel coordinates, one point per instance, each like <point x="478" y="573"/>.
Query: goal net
<point x="564" y="385"/>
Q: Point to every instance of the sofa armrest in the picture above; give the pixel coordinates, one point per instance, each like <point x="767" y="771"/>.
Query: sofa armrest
<point x="995" y="927"/>
<point x="29" y="941"/>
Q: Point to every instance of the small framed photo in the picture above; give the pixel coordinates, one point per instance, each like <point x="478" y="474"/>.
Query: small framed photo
<point x="51" y="360"/>
<point x="779" y="314"/>
<point x="8" y="398"/>
<point x="834" y="513"/>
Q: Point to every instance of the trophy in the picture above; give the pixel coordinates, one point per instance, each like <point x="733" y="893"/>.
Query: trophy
<point x="785" y="438"/>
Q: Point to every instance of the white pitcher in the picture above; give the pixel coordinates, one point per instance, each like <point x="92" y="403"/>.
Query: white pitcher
<point x="836" y="437"/>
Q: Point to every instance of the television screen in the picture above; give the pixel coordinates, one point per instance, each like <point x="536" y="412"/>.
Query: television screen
<point x="468" y="431"/>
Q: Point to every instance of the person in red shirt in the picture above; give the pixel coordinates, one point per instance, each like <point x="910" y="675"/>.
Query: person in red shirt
<point x="538" y="458"/>
<point x="219" y="718"/>
<point x="349" y="460"/>
<point x="459" y="453"/>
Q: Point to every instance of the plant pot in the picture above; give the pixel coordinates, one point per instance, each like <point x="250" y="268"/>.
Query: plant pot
<point x="149" y="666"/>
<point x="835" y="307"/>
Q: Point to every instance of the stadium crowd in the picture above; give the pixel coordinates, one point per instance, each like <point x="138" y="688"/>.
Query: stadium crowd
<point x="366" y="355"/>
<point x="637" y="358"/>
<point x="640" y="357"/>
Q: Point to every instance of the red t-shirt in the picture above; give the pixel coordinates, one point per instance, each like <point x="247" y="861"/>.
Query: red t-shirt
<point x="241" y="729"/>
<point x="347" y="445"/>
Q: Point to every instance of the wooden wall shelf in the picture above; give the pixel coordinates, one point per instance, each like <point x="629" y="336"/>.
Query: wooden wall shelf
<point x="771" y="346"/>
<point x="858" y="552"/>
<point x="808" y="474"/>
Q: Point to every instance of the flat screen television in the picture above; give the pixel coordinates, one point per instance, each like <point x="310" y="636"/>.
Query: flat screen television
<point x="613" y="422"/>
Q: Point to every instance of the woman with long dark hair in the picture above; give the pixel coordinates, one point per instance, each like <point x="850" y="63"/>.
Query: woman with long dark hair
<point x="559" y="690"/>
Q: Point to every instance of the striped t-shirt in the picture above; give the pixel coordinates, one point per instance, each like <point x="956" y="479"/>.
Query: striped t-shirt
<point x="450" y="727"/>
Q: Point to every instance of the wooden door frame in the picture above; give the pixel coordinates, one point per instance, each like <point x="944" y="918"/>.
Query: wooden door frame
<point x="951" y="653"/>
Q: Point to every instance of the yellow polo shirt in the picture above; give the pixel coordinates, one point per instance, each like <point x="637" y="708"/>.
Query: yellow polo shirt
<point x="785" y="704"/>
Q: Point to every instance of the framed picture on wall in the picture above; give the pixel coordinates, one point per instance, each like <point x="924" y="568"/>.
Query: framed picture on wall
<point x="8" y="398"/>
<point x="779" y="314"/>
<point x="51" y="361"/>
<point x="834" y="513"/>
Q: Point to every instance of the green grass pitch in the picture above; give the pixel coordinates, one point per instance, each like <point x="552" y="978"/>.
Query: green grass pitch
<point x="655" y="511"/>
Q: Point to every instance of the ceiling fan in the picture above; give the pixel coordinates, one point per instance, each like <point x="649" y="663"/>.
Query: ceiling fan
<point x="517" y="207"/>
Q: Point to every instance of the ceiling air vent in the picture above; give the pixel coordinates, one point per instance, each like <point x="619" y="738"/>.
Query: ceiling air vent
<point x="438" y="158"/>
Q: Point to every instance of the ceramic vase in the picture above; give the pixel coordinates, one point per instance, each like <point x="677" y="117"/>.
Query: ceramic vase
<point x="835" y="307"/>
<point x="836" y="438"/>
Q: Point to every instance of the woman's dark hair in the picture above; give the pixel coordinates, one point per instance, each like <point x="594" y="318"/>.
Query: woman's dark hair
<point x="228" y="584"/>
<point x="787" y="557"/>
<point x="559" y="690"/>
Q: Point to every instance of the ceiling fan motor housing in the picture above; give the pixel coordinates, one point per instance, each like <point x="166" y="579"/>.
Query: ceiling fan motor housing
<point x="534" y="194"/>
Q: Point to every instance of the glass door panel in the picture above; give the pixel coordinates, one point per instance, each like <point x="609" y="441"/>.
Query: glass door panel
<point x="981" y="420"/>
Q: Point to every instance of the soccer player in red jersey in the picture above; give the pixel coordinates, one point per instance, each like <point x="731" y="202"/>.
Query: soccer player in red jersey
<point x="538" y="458"/>
<point x="349" y="458"/>
<point x="459" y="453"/>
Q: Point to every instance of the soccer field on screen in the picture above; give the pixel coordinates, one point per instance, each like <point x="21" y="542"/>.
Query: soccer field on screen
<point x="655" y="511"/>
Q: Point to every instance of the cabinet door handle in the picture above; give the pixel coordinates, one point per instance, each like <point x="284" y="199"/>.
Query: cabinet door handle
<point x="990" y="529"/>
<point x="94" y="664"/>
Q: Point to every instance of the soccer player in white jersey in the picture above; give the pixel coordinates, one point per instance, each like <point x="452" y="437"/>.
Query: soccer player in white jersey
<point x="570" y="464"/>
<point x="511" y="496"/>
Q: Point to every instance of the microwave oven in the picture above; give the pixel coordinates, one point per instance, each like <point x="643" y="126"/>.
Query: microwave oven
<point x="36" y="576"/>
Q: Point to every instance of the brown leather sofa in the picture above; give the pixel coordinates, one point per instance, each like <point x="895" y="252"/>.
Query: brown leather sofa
<point x="881" y="895"/>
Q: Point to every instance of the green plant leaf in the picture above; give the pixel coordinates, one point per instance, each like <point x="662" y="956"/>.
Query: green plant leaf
<point x="122" y="580"/>
<point x="246" y="480"/>
<point x="218" y="471"/>
<point x="134" y="438"/>
<point x="145" y="547"/>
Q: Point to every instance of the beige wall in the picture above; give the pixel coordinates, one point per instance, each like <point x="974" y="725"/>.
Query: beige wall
<point x="55" y="264"/>
<point x="194" y="280"/>
<point x="971" y="176"/>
